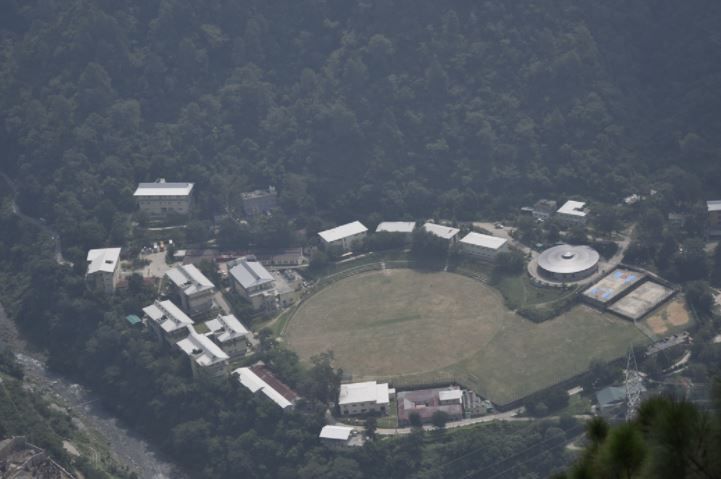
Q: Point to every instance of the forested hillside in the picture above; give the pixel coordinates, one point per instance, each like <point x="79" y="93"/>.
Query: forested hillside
<point x="390" y="107"/>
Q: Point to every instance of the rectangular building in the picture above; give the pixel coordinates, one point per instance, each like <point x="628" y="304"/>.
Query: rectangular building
<point x="365" y="397"/>
<point x="160" y="199"/>
<point x="426" y="402"/>
<point x="195" y="290"/>
<point x="343" y="236"/>
<point x="543" y="209"/>
<point x="398" y="227"/>
<point x="482" y="246"/>
<point x="254" y="283"/>
<point x="283" y="257"/>
<point x="259" y="202"/>
<point x="447" y="233"/>
<point x="340" y="436"/>
<point x="258" y="378"/>
<point x="713" y="209"/>
<point x="103" y="269"/>
<point x="228" y="333"/>
<point x="167" y="320"/>
<point x="572" y="213"/>
<point x="205" y="356"/>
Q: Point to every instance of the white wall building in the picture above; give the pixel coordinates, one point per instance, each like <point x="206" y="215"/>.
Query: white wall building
<point x="103" y="269"/>
<point x="447" y="233"/>
<point x="253" y="282"/>
<point x="258" y="379"/>
<point x="195" y="290"/>
<point x="339" y="436"/>
<point x="228" y="333"/>
<point x="167" y="320"/>
<point x="483" y="246"/>
<point x="205" y="356"/>
<point x="343" y="236"/>
<point x="572" y="213"/>
<point x="405" y="228"/>
<point x="365" y="397"/>
<point x="159" y="199"/>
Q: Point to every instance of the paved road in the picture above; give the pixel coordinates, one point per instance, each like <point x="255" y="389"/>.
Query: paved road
<point x="501" y="416"/>
<point x="54" y="236"/>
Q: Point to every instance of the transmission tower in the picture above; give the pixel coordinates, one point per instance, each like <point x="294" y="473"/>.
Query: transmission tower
<point x="634" y="385"/>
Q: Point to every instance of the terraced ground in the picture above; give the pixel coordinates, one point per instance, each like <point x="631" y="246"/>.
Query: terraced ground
<point x="412" y="327"/>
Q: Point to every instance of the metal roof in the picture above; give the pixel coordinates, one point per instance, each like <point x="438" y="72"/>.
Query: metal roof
<point x="104" y="259"/>
<point x="202" y="349"/>
<point x="340" y="433"/>
<point x="567" y="259"/>
<point x="133" y="319"/>
<point x="160" y="188"/>
<point x="189" y="279"/>
<point x="573" y="208"/>
<point x="251" y="380"/>
<point x="342" y="231"/>
<point x="450" y="395"/>
<point x="445" y="232"/>
<point x="369" y="391"/>
<point x="396" y="227"/>
<point x="168" y="316"/>
<point x="250" y="273"/>
<point x="484" y="241"/>
<point x="226" y="327"/>
<point x="713" y="205"/>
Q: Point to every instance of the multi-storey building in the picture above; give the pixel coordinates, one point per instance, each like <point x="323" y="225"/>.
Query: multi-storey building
<point x="160" y="199"/>
<point x="343" y="236"/>
<point x="195" y="290"/>
<point x="103" y="269"/>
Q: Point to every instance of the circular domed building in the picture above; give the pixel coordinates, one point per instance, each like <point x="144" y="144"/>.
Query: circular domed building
<point x="568" y="263"/>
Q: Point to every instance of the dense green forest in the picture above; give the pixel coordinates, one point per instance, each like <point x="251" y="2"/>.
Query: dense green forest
<point x="362" y="109"/>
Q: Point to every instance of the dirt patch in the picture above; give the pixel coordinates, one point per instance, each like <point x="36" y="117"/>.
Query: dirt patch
<point x="673" y="315"/>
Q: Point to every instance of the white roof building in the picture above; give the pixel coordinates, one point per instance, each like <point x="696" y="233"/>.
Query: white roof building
<point x="484" y="241"/>
<point x="713" y="205"/>
<point x="161" y="188"/>
<point x="445" y="232"/>
<point x="366" y="392"/>
<point x="396" y="227"/>
<point x="201" y="349"/>
<point x="103" y="260"/>
<point x="167" y="316"/>
<point x="189" y="279"/>
<point x="343" y="231"/>
<point x="250" y="274"/>
<point x="278" y="392"/>
<point x="226" y="328"/>
<point x="455" y="395"/>
<point x="338" y="433"/>
<point x="573" y="208"/>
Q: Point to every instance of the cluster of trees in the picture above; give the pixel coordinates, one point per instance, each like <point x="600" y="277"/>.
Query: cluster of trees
<point x="668" y="439"/>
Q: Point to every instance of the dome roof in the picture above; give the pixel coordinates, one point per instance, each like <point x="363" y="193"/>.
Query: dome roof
<point x="567" y="259"/>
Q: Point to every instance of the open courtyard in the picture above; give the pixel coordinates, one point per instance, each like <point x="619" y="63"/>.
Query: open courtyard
<point x="413" y="327"/>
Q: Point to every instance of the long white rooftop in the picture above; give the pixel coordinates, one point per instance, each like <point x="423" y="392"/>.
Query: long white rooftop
<point x="226" y="328"/>
<point x="713" y="205"/>
<point x="338" y="433"/>
<point x="445" y="232"/>
<point x="573" y="208"/>
<point x="250" y="273"/>
<point x="369" y="391"/>
<point x="450" y="395"/>
<point x="104" y="259"/>
<point x="202" y="349"/>
<point x="161" y="188"/>
<point x="342" y="231"/>
<point x="396" y="227"/>
<point x="189" y="279"/>
<point x="484" y="241"/>
<point x="168" y="316"/>
<point x="254" y="383"/>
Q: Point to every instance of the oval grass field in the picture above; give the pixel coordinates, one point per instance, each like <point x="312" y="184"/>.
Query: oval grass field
<point x="419" y="327"/>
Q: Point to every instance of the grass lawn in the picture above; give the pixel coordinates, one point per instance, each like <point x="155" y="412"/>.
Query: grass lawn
<point x="413" y="327"/>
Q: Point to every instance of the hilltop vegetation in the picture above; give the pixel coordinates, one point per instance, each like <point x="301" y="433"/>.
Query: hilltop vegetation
<point x="388" y="107"/>
<point x="371" y="109"/>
